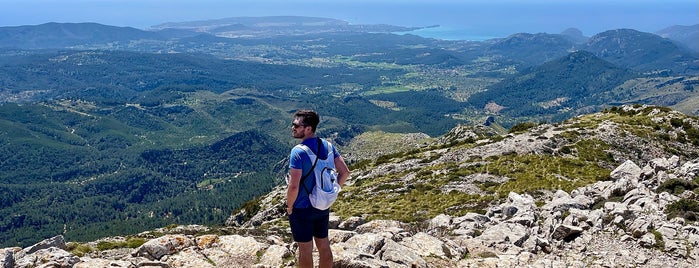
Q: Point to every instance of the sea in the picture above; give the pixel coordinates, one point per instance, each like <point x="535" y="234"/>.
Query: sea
<point x="451" y="34"/>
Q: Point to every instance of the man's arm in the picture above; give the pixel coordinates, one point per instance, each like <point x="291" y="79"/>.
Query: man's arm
<point x="292" y="190"/>
<point x="342" y="170"/>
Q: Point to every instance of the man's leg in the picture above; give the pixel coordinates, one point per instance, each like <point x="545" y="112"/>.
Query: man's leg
<point x="305" y="254"/>
<point x="325" y="252"/>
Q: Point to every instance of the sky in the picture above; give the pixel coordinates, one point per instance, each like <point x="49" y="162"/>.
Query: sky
<point x="495" y="18"/>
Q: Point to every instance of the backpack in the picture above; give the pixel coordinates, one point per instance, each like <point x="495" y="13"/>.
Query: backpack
<point x="326" y="188"/>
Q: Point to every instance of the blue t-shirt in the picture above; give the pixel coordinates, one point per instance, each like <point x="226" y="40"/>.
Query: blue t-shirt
<point x="299" y="159"/>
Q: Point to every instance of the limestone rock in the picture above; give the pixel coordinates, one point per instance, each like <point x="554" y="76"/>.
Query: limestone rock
<point x="162" y="246"/>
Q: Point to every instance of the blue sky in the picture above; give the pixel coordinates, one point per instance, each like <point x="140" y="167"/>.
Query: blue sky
<point x="491" y="17"/>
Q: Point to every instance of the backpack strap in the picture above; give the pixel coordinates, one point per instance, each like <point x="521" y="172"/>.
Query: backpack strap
<point x="312" y="167"/>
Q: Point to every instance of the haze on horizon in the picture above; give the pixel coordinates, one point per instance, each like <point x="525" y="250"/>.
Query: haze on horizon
<point x="481" y="17"/>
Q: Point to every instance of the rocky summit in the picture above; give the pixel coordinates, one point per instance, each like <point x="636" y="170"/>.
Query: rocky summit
<point x="621" y="191"/>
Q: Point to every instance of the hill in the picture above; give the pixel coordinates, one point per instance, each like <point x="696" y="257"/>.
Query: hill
<point x="277" y="26"/>
<point x="60" y="35"/>
<point x="574" y="84"/>
<point x="600" y="189"/>
<point x="642" y="51"/>
<point x="532" y="49"/>
<point x="685" y="35"/>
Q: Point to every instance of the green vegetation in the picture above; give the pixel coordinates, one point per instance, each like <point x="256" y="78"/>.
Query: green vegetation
<point x="678" y="186"/>
<point x="531" y="173"/>
<point x="521" y="127"/>
<point x="78" y="249"/>
<point x="576" y="81"/>
<point x="416" y="203"/>
<point x="659" y="241"/>
<point x="97" y="176"/>
<point x="388" y="197"/>
<point x="684" y="208"/>
<point x="131" y="242"/>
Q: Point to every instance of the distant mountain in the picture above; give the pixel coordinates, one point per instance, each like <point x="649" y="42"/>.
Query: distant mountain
<point x="532" y="49"/>
<point x="569" y="85"/>
<point x="61" y="35"/>
<point x="277" y="25"/>
<point x="266" y="21"/>
<point x="642" y="51"/>
<point x="574" y="35"/>
<point x="686" y="35"/>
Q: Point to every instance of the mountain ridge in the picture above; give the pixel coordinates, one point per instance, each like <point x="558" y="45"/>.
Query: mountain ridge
<point x="580" y="79"/>
<point x="686" y="35"/>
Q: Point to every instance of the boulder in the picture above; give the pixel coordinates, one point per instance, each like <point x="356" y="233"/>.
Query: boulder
<point x="566" y="232"/>
<point x="88" y="262"/>
<point x="154" y="249"/>
<point x="7" y="258"/>
<point x="351" y="223"/>
<point x="505" y="233"/>
<point x="426" y="245"/>
<point x="47" y="257"/>
<point x="401" y="255"/>
<point x="274" y="256"/>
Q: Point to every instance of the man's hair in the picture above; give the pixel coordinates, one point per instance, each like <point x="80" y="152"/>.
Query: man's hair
<point x="309" y="118"/>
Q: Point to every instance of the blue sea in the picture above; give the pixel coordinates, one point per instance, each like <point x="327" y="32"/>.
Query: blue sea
<point x="448" y="33"/>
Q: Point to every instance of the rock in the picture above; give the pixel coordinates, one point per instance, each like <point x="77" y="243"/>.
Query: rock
<point x="566" y="232"/>
<point x="690" y="169"/>
<point x="353" y="258"/>
<point x="87" y="262"/>
<point x="659" y="164"/>
<point x="7" y="258"/>
<point x="156" y="264"/>
<point x="542" y="244"/>
<point x="505" y="233"/>
<point x="164" y="245"/>
<point x="625" y="179"/>
<point x="647" y="240"/>
<point x="440" y="221"/>
<point x="235" y="249"/>
<point x="366" y="243"/>
<point x="628" y="170"/>
<point x="427" y="245"/>
<point x="401" y="255"/>
<point x="640" y="227"/>
<point x="334" y="221"/>
<point x="274" y="256"/>
<point x="382" y="226"/>
<point x="47" y="257"/>
<point x="562" y="201"/>
<point x="207" y="241"/>
<point x="339" y="236"/>
<point x="351" y="223"/>
<point x="189" y="257"/>
<point x="53" y="242"/>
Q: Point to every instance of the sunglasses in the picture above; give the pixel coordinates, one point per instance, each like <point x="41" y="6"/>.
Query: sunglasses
<point x="294" y="125"/>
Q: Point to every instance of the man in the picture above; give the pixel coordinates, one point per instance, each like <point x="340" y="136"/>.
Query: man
<point x="309" y="224"/>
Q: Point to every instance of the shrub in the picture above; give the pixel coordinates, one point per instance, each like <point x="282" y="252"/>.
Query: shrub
<point x="132" y="242"/>
<point x="677" y="186"/>
<point x="676" y="122"/>
<point x="522" y="127"/>
<point x="685" y="208"/>
<point x="78" y="249"/>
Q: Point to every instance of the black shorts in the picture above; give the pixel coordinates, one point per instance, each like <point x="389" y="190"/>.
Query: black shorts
<point x="307" y="223"/>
